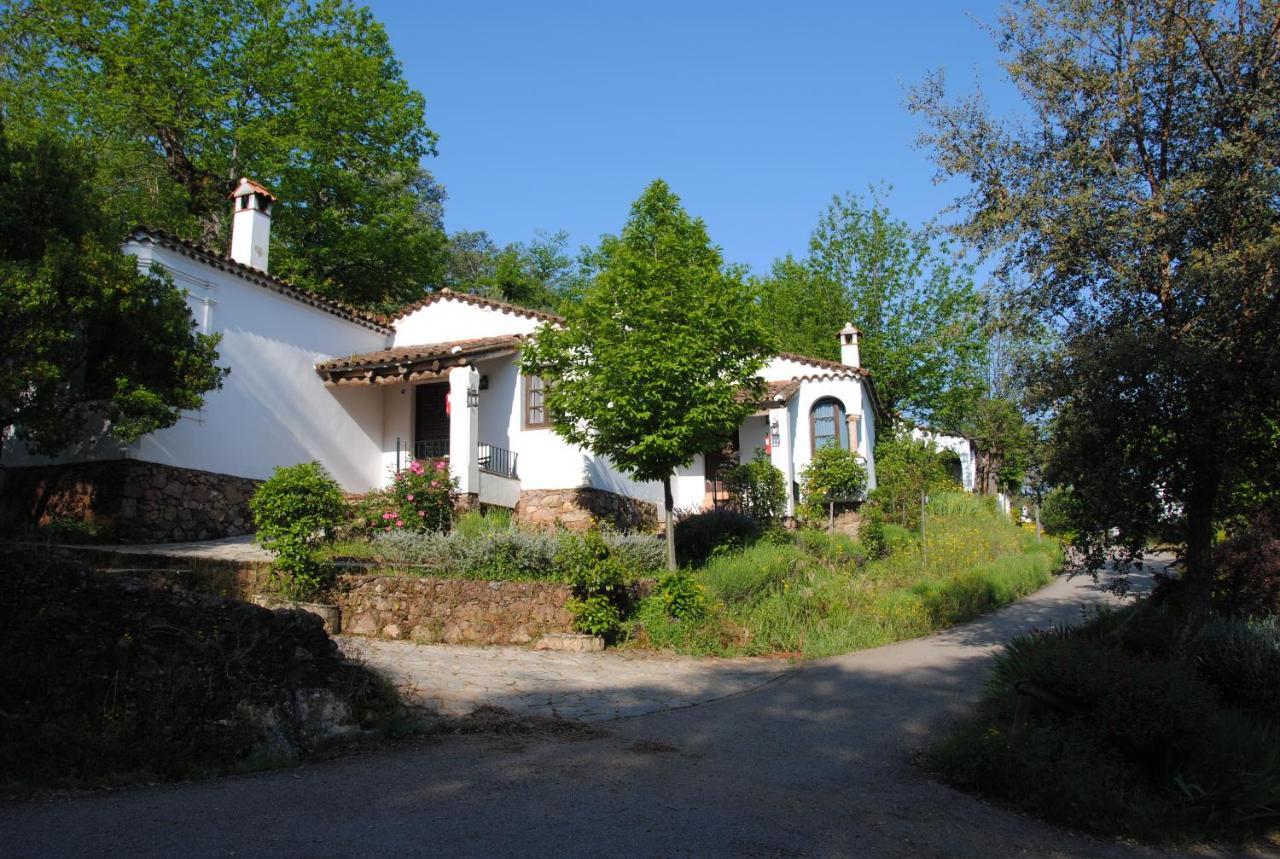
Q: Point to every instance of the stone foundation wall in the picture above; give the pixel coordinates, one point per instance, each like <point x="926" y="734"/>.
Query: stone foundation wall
<point x="448" y="611"/>
<point x="141" y="502"/>
<point x="578" y="509"/>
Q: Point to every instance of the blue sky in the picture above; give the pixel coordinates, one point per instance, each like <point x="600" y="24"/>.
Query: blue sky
<point x="555" y="115"/>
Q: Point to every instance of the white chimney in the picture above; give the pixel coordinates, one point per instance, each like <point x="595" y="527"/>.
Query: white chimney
<point x="251" y="224"/>
<point x="849" y="342"/>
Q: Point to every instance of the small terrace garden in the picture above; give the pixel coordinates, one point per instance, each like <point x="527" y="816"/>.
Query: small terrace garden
<point x="746" y="585"/>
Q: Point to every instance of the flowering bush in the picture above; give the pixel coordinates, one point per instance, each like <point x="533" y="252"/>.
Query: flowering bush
<point x="420" y="498"/>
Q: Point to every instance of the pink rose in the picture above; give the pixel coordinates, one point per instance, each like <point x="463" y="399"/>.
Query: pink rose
<point x="440" y="466"/>
<point x="422" y="513"/>
<point x="388" y="527"/>
<point x="410" y="496"/>
<point x="399" y="523"/>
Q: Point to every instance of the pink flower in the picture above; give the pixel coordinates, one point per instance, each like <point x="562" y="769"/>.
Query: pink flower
<point x="388" y="527"/>
<point x="399" y="523"/>
<point x="440" y="466"/>
<point x="386" y="515"/>
<point x="422" y="513"/>
<point x="410" y="496"/>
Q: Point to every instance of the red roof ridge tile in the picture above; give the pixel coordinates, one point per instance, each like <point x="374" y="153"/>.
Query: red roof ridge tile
<point x="226" y="263"/>
<point x="477" y="300"/>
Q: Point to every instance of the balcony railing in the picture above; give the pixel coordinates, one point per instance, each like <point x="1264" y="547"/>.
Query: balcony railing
<point x="431" y="448"/>
<point x="497" y="460"/>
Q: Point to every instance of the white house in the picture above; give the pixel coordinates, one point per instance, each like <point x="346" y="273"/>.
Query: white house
<point x="961" y="446"/>
<point x="313" y="379"/>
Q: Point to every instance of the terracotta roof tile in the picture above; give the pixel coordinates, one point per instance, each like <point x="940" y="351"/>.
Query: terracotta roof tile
<point x="261" y="278"/>
<point x="478" y="301"/>
<point x="455" y="350"/>
<point x="836" y="366"/>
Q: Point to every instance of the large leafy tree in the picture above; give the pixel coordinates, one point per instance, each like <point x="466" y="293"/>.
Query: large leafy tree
<point x="920" y="312"/>
<point x="179" y="99"/>
<point x="650" y="366"/>
<point x="539" y="273"/>
<point x="1136" y="208"/>
<point x="86" y="341"/>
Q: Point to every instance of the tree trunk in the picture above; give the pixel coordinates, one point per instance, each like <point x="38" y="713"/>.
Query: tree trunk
<point x="1198" y="569"/>
<point x="669" y="503"/>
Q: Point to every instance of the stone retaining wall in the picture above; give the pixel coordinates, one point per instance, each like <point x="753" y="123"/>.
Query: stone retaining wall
<point x="449" y="611"/>
<point x="141" y="502"/>
<point x="578" y="509"/>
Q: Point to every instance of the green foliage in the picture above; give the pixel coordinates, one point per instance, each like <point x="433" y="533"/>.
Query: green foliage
<point x="650" y="365"/>
<point x="597" y="614"/>
<point x="599" y="582"/>
<point x="1004" y="441"/>
<point x="819" y="594"/>
<point x="699" y="535"/>
<point x="1142" y="748"/>
<point x="918" y="309"/>
<point x="1241" y="658"/>
<point x="1145" y="240"/>
<point x="871" y="531"/>
<point x="296" y="510"/>
<point x="178" y="100"/>
<point x="758" y="488"/>
<point x="1060" y="512"/>
<point x="908" y="470"/>
<point x="538" y="274"/>
<point x="682" y="597"/>
<point x="834" y="473"/>
<point x="69" y="297"/>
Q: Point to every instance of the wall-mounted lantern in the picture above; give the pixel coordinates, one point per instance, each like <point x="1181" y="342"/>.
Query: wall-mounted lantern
<point x="484" y="383"/>
<point x="473" y="398"/>
<point x="775" y="434"/>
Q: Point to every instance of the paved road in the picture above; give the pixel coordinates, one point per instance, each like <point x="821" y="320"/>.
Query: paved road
<point x="587" y="687"/>
<point x="818" y="763"/>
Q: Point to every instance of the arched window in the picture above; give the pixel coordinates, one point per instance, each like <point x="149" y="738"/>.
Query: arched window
<point x="828" y="425"/>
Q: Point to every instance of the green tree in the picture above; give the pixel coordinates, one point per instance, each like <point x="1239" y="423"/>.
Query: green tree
<point x="179" y="99"/>
<point x="649" y="367"/>
<point x="919" y="311"/>
<point x="907" y="470"/>
<point x="1134" y="208"/>
<point x="834" y="475"/>
<point x="1004" y="441"/>
<point x="86" y="341"/>
<point x="758" y="487"/>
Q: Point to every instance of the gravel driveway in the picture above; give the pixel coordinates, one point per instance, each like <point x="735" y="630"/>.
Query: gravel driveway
<point x="818" y="763"/>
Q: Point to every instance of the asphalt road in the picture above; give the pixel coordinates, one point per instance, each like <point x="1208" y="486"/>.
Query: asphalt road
<point x="817" y="763"/>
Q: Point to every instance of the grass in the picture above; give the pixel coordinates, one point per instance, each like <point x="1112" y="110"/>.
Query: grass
<point x="819" y="595"/>
<point x="1152" y="745"/>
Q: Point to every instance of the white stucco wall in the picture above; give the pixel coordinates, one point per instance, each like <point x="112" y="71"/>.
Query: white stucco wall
<point x="273" y="409"/>
<point x="959" y="445"/>
<point x="448" y="319"/>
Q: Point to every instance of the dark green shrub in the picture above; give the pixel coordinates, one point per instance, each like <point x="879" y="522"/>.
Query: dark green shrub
<point x="834" y="474"/>
<point x="1139" y="745"/>
<point x="1248" y="582"/>
<point x="871" y="531"/>
<point x="599" y="580"/>
<point x="700" y="534"/>
<point x="1059" y="512"/>
<point x="295" y="511"/>
<point x="758" y="488"/>
<point x="681" y="596"/>
<point x="908" y="469"/>
<point x="1242" y="659"/>
<point x="596" y="615"/>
